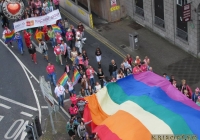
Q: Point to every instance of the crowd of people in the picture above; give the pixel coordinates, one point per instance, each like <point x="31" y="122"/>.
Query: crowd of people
<point x="68" y="49"/>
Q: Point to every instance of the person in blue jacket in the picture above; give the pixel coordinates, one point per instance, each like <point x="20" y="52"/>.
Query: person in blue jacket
<point x="18" y="38"/>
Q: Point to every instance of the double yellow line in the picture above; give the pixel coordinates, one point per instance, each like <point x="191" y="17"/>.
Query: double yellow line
<point x="95" y="35"/>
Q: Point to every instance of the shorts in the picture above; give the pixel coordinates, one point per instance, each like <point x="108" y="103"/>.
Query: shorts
<point x="45" y="53"/>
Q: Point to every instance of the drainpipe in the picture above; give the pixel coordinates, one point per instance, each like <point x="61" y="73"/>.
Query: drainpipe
<point x="89" y="8"/>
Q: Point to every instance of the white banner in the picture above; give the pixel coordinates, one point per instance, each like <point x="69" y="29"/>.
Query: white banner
<point x="48" y="19"/>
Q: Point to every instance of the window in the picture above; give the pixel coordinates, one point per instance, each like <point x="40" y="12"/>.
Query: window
<point x="181" y="2"/>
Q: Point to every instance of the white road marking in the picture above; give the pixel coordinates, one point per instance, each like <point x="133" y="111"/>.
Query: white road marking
<point x="18" y="103"/>
<point x="44" y="107"/>
<point x="1" y="117"/>
<point x="25" y="71"/>
<point x="22" y="65"/>
<point x="26" y="114"/>
<point x="5" y="106"/>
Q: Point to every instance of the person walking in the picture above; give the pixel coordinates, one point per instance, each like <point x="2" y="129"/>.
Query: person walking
<point x="101" y="77"/>
<point x="43" y="47"/>
<point x="113" y="69"/>
<point x="67" y="69"/>
<point x="70" y="129"/>
<point x="98" y="56"/>
<point x="69" y="37"/>
<point x="56" y="3"/>
<point x="20" y="45"/>
<point x="85" y="84"/>
<point x="78" y="42"/>
<point x="74" y="54"/>
<point x="6" y="31"/>
<point x="60" y="92"/>
<point x="27" y="38"/>
<point x="57" y="52"/>
<point x="63" y="48"/>
<point x="50" y="69"/>
<point x="32" y="52"/>
<point x="81" y="130"/>
<point x="90" y="74"/>
<point x="80" y="61"/>
<point x="51" y="35"/>
<point x="70" y="88"/>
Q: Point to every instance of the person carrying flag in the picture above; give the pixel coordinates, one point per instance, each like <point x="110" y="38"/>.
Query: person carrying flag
<point x="18" y="38"/>
<point x="6" y="31"/>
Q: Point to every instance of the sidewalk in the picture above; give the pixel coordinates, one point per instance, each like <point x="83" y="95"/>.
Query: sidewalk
<point x="60" y="126"/>
<point x="164" y="56"/>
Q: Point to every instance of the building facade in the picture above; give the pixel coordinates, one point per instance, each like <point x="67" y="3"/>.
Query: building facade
<point x="170" y="19"/>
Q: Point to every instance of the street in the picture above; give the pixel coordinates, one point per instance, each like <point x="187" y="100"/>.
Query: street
<point x="20" y="95"/>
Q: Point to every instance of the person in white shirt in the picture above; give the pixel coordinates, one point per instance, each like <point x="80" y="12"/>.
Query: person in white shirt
<point x="60" y="92"/>
<point x="70" y="87"/>
<point x="97" y="87"/>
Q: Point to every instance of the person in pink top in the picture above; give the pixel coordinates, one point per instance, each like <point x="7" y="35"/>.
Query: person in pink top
<point x="143" y="66"/>
<point x="58" y="38"/>
<point x="57" y="52"/>
<point x="136" y="69"/>
<point x="56" y="3"/>
<point x="69" y="37"/>
<point x="38" y="5"/>
<point x="90" y="74"/>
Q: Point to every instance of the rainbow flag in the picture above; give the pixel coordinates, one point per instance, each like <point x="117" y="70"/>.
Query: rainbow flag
<point x="139" y="106"/>
<point x="56" y="28"/>
<point x="63" y="79"/>
<point x="76" y="76"/>
<point x="9" y="36"/>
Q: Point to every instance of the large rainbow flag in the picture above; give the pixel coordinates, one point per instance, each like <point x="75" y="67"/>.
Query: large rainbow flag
<point x="63" y="79"/>
<point x="139" y="106"/>
<point x="9" y="36"/>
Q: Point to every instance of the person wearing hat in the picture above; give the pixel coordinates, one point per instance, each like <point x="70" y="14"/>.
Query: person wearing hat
<point x="195" y="95"/>
<point x="18" y="38"/>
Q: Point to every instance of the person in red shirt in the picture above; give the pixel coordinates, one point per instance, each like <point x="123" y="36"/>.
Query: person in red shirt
<point x="58" y="54"/>
<point x="69" y="37"/>
<point x="143" y="66"/>
<point x="27" y="38"/>
<point x="45" y="31"/>
<point x="129" y="59"/>
<point x="136" y="69"/>
<point x="50" y="69"/>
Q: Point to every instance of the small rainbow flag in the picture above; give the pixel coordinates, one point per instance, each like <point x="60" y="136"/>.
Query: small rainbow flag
<point x="56" y="28"/>
<point x="9" y="36"/>
<point x="76" y="76"/>
<point x="63" y="79"/>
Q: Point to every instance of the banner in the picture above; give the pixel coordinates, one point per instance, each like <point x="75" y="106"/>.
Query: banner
<point x="48" y="19"/>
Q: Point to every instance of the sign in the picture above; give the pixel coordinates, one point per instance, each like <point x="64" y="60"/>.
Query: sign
<point x="113" y="3"/>
<point x="48" y="19"/>
<point x="13" y="9"/>
<point x="46" y="90"/>
<point x="187" y="12"/>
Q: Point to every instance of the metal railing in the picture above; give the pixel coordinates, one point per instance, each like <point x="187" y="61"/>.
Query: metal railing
<point x="139" y="11"/>
<point x="160" y="22"/>
<point x="182" y="34"/>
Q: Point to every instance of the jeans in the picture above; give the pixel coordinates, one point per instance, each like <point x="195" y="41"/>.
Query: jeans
<point x="70" y="43"/>
<point x="57" y="6"/>
<point x="114" y="74"/>
<point x="53" y="42"/>
<point x="60" y="100"/>
<point x="87" y="92"/>
<point x="92" y="83"/>
<point x="72" y="92"/>
<point x="52" y="78"/>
